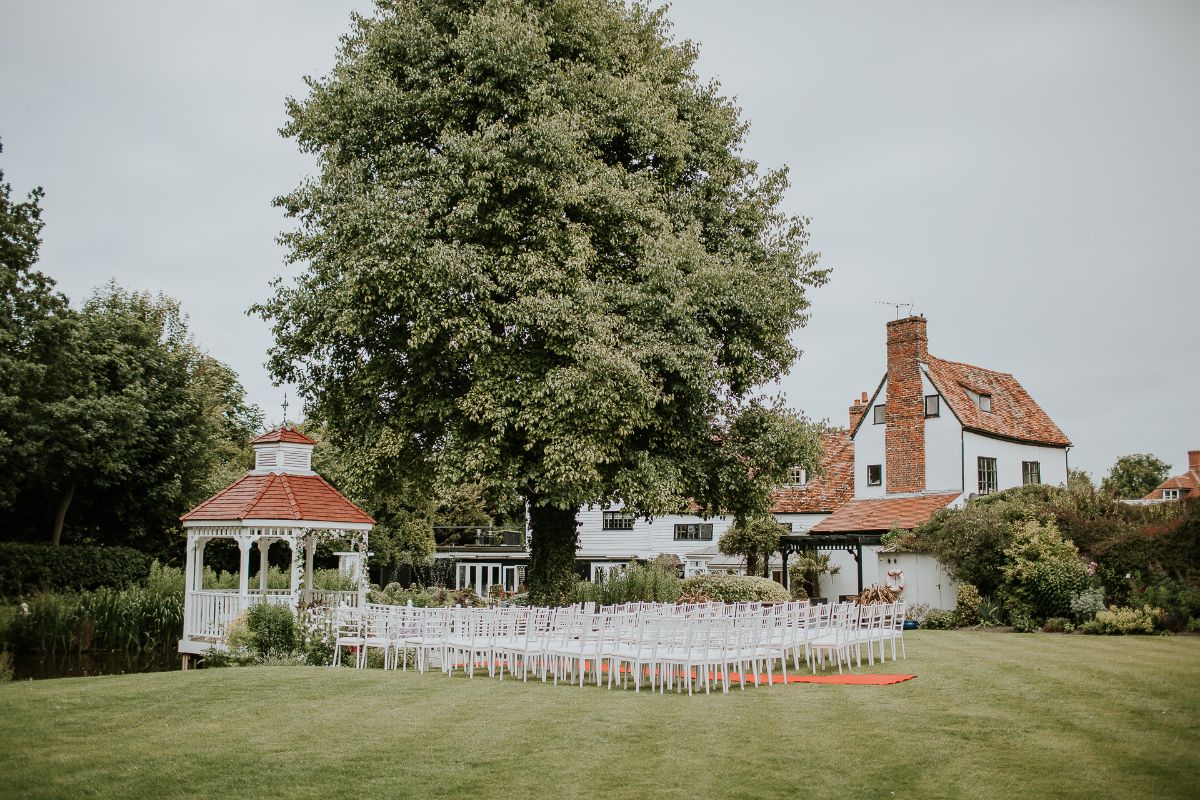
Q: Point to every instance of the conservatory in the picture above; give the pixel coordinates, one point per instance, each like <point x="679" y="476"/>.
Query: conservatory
<point x="283" y="502"/>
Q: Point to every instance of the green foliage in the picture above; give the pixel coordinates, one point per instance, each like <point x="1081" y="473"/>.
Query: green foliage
<point x="537" y="258"/>
<point x="806" y="571"/>
<point x="130" y="619"/>
<point x="1023" y="621"/>
<point x="970" y="542"/>
<point x="637" y="582"/>
<point x="991" y="612"/>
<point x="28" y="568"/>
<point x="1058" y="625"/>
<point x="6" y="666"/>
<point x="1135" y="476"/>
<point x="968" y="605"/>
<point x="1086" y="604"/>
<point x="1042" y="572"/>
<point x="735" y="588"/>
<point x="755" y="539"/>
<point x="1179" y="599"/>
<point x="333" y="580"/>
<point x="272" y="630"/>
<point x="1121" y="621"/>
<point x="937" y="619"/>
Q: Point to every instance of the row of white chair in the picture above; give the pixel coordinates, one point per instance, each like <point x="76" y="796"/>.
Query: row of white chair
<point x="660" y="644"/>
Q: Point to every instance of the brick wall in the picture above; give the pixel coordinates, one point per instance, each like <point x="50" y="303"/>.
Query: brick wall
<point x="857" y="409"/>
<point x="1194" y="460"/>
<point x="904" y="435"/>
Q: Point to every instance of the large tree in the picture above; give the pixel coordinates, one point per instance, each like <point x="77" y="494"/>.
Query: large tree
<point x="1135" y="476"/>
<point x="536" y="257"/>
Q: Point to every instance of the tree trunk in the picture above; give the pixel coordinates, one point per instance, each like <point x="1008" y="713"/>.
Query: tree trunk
<point x="552" y="554"/>
<point x="61" y="516"/>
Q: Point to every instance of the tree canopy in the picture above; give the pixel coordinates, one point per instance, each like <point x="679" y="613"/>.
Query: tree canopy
<point x="1135" y="476"/>
<point x="536" y="258"/>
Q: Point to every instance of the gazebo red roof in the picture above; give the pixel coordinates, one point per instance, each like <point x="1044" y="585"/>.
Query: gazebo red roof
<point x="283" y="434"/>
<point x="279" y="496"/>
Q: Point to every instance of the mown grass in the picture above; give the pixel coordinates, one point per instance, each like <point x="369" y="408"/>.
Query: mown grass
<point x="990" y="715"/>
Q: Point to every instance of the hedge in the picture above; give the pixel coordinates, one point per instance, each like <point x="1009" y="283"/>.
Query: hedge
<point x="29" y="568"/>
<point x="735" y="588"/>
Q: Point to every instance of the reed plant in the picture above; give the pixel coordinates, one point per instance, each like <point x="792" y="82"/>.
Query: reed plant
<point x="637" y="582"/>
<point x="137" y="618"/>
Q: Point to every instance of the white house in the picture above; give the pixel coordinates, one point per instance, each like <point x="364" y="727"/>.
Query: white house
<point x="935" y="433"/>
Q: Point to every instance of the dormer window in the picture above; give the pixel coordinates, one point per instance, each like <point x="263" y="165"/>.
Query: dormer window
<point x="1170" y="494"/>
<point x="797" y="476"/>
<point x="880" y="411"/>
<point x="985" y="403"/>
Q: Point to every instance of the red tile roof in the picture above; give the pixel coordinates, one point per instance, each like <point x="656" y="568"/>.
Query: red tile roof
<point x="1014" y="413"/>
<point x="279" y="496"/>
<point x="826" y="491"/>
<point x="1187" y="484"/>
<point x="281" y="434"/>
<point x="884" y="513"/>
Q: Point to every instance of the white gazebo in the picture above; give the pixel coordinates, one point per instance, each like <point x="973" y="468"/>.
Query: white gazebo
<point x="280" y="500"/>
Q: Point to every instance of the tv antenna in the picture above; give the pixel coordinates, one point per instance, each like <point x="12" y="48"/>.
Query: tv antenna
<point x="895" y="304"/>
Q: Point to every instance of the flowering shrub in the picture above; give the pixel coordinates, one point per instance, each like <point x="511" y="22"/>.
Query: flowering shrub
<point x="1087" y="604"/>
<point x="1042" y="572"/>
<point x="1122" y="621"/>
<point x="968" y="604"/>
<point x="736" y="588"/>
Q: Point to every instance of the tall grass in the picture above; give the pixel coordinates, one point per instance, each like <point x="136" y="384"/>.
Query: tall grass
<point x="639" y="582"/>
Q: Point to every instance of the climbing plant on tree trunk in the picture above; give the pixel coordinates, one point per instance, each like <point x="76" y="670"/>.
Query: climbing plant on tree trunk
<point x="535" y="258"/>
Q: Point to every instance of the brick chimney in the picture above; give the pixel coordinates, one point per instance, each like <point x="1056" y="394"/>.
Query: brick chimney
<point x="1194" y="460"/>
<point x="857" y="409"/>
<point x="904" y="435"/>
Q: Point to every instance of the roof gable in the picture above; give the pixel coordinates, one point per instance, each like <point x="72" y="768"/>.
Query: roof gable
<point x="1014" y="413"/>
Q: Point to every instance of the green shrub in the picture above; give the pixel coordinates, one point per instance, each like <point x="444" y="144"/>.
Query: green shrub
<point x="735" y="588"/>
<point x="1086" y="604"/>
<point x="137" y="618"/>
<point x="1042" y="572"/>
<point x="1022" y="621"/>
<point x="990" y="611"/>
<point x="30" y="568"/>
<point x="937" y="619"/>
<point x="969" y="601"/>
<point x="1179" y="600"/>
<point x="636" y="583"/>
<point x="1193" y="624"/>
<point x="272" y="630"/>
<point x="164" y="579"/>
<point x="1058" y="625"/>
<point x="1120" y="621"/>
<point x="332" y="580"/>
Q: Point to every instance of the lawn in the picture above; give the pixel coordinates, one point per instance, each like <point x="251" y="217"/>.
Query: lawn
<point x="990" y="715"/>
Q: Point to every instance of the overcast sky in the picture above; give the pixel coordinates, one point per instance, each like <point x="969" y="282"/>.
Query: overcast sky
<point x="1026" y="174"/>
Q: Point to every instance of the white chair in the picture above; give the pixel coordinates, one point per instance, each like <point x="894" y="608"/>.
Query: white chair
<point x="348" y="632"/>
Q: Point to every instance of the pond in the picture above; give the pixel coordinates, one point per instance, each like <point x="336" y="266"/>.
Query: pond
<point x="35" y="666"/>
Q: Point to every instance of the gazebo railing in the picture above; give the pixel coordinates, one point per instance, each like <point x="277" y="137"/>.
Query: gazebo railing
<point x="211" y="610"/>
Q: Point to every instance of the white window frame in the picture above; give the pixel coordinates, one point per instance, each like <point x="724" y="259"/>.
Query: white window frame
<point x="797" y="476"/>
<point x="617" y="520"/>
<point x="1170" y="494"/>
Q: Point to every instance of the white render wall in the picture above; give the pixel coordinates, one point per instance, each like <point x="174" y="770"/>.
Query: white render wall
<point x="926" y="580"/>
<point x="1009" y="456"/>
<point x="869" y="449"/>
<point x="943" y="446"/>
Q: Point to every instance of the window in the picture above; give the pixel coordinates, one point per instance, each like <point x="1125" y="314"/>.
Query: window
<point x="694" y="531"/>
<point x="797" y="476"/>
<point x="874" y="474"/>
<point x="879" y="414"/>
<point x="985" y="403"/>
<point x="933" y="405"/>
<point x="987" y="475"/>
<point x="1170" y="494"/>
<point x="618" y="520"/>
<point x="1031" y="472"/>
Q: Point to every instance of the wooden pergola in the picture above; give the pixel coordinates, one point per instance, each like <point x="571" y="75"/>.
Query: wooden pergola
<point x="851" y="543"/>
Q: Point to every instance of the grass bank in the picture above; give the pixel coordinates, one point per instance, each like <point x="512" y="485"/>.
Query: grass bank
<point x="990" y="715"/>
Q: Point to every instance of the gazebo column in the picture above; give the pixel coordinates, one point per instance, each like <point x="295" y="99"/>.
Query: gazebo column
<point x="264" y="545"/>
<point x="244" y="544"/>
<point x="293" y="540"/>
<point x="197" y="576"/>
<point x="310" y="550"/>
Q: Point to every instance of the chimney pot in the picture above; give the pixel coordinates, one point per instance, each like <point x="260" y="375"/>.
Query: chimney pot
<point x="1194" y="460"/>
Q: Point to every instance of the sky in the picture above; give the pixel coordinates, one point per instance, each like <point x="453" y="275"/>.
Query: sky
<point x="1024" y="174"/>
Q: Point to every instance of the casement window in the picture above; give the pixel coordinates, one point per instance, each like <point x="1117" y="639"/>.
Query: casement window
<point x="618" y="520"/>
<point x="797" y="476"/>
<point x="987" y="475"/>
<point x="874" y="474"/>
<point x="985" y="403"/>
<point x="1031" y="472"/>
<point x="694" y="531"/>
<point x="933" y="405"/>
<point x="880" y="411"/>
<point x="1170" y="494"/>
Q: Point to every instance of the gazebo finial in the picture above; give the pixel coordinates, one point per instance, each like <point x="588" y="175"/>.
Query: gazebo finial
<point x="285" y="405"/>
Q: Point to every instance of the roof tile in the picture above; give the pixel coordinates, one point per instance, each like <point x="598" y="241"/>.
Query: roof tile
<point x="826" y="491"/>
<point x="279" y="496"/>
<point x="885" y="513"/>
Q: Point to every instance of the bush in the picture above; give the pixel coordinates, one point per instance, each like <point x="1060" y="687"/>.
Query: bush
<point x="272" y="630"/>
<point x="1179" y="600"/>
<point x="1087" y="604"/>
<point x="969" y="601"/>
<point x="1022" y="621"/>
<point x="30" y="568"/>
<point x="1058" y="625"/>
<point x="1120" y="621"/>
<point x="735" y="588"/>
<point x="970" y="542"/>
<point x="937" y="619"/>
<point x="1043" y="572"/>
<point x="990" y="611"/>
<point x="332" y="580"/>
<point x="1193" y="624"/>
<point x="137" y="618"/>
<point x="917" y="612"/>
<point x="637" y="583"/>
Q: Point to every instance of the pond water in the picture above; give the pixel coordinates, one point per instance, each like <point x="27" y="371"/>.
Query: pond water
<point x="35" y="666"/>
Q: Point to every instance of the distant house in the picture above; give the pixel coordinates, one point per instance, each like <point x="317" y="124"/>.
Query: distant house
<point x="934" y="434"/>
<point x="1182" y="486"/>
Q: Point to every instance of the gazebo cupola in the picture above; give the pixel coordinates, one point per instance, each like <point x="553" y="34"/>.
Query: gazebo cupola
<point x="283" y="449"/>
<point x="281" y="500"/>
